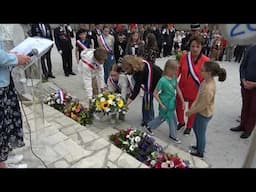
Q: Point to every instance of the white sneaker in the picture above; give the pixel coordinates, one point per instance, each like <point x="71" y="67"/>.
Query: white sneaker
<point x="14" y="159"/>
<point x="18" y="166"/>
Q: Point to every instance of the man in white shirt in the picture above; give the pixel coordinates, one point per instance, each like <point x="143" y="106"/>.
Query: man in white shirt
<point x="91" y="66"/>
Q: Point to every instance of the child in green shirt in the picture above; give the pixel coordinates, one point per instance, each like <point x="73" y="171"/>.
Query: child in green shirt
<point x="165" y="94"/>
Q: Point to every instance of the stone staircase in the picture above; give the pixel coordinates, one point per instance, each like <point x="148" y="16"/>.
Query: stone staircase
<point x="63" y="143"/>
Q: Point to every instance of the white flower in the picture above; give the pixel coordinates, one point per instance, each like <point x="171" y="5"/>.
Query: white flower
<point x="107" y="109"/>
<point x="58" y="101"/>
<point x="128" y="136"/>
<point x="164" y="165"/>
<point x="137" y="139"/>
<point x="48" y="103"/>
<point x="102" y="99"/>
<point x="48" y="98"/>
<point x="93" y="100"/>
<point x="118" y="95"/>
<point x="124" y="112"/>
<point x="153" y="162"/>
<point x="171" y="164"/>
<point x="119" y="110"/>
<point x="110" y="102"/>
<point x="52" y="102"/>
<point x="100" y="95"/>
<point x="131" y="148"/>
<point x="144" y="134"/>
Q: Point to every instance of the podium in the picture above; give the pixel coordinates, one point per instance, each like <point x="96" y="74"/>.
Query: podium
<point x="28" y="81"/>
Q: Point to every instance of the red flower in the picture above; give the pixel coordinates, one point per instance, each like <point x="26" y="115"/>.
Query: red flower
<point x="158" y="164"/>
<point x="181" y="165"/>
<point x="116" y="140"/>
<point x="177" y="161"/>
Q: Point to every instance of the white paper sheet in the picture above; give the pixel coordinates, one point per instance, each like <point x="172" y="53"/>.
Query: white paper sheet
<point x="41" y="44"/>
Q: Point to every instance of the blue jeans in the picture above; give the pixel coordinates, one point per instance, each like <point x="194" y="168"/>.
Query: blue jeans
<point x="199" y="127"/>
<point x="147" y="113"/>
<point x="107" y="65"/>
<point x="172" y="122"/>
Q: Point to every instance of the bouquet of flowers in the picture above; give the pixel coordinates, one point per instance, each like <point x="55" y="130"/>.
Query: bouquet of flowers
<point x="109" y="103"/>
<point x="144" y="148"/>
<point x="58" y="100"/>
<point x="78" y="113"/>
<point x="164" y="160"/>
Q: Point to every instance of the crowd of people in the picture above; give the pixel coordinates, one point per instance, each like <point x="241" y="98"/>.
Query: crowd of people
<point x="122" y="58"/>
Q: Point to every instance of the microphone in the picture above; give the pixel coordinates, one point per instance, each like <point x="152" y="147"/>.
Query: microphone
<point x="32" y="52"/>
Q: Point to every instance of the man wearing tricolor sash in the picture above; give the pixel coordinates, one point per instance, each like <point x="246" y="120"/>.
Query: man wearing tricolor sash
<point x="190" y="79"/>
<point x="146" y="75"/>
<point x="106" y="41"/>
<point x="91" y="65"/>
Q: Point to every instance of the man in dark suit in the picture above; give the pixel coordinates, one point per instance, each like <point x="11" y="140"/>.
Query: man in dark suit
<point x="95" y="33"/>
<point x="44" y="31"/>
<point x="62" y="35"/>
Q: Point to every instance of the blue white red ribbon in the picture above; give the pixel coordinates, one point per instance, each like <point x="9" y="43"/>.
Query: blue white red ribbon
<point x="89" y="64"/>
<point x="61" y="96"/>
<point x="191" y="69"/>
<point x="147" y="87"/>
<point x="104" y="44"/>
<point x="81" y="45"/>
<point x="114" y="84"/>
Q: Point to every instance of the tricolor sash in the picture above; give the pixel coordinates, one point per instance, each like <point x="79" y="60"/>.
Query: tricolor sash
<point x="130" y="85"/>
<point x="104" y="44"/>
<point x="93" y="67"/>
<point x="192" y="70"/>
<point x="81" y="45"/>
<point x="148" y="85"/>
<point x="115" y="85"/>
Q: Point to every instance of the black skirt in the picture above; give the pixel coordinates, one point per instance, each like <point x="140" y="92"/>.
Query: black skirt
<point x="11" y="130"/>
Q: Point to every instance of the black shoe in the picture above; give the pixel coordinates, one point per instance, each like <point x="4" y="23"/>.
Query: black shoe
<point x="179" y="126"/>
<point x="197" y="154"/>
<point x="187" y="131"/>
<point x="66" y="74"/>
<point x="51" y="76"/>
<point x="193" y="147"/>
<point x="143" y="124"/>
<point x="245" y="135"/>
<point x="149" y="131"/>
<point x="236" y="129"/>
<point x="72" y="73"/>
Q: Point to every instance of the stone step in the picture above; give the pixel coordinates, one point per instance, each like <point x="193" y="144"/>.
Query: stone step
<point x="63" y="143"/>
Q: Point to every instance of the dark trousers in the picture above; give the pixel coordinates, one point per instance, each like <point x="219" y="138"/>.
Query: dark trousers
<point x="248" y="113"/>
<point x="107" y="66"/>
<point x="47" y="57"/>
<point x="67" y="61"/>
<point x="147" y="110"/>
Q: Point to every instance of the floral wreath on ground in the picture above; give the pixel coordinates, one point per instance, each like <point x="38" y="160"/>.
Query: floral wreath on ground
<point x="145" y="149"/>
<point x="109" y="103"/>
<point x="71" y="107"/>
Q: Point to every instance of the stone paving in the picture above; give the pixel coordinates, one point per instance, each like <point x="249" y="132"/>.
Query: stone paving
<point x="62" y="143"/>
